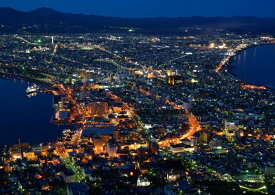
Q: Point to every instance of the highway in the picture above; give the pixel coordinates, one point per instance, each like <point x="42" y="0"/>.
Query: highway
<point x="194" y="125"/>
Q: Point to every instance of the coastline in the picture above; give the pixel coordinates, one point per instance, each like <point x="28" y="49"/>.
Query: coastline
<point x="44" y="84"/>
<point x="4" y="75"/>
<point x="28" y="119"/>
<point x="228" y="67"/>
<point x="31" y="80"/>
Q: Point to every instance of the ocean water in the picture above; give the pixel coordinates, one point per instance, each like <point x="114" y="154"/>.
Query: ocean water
<point x="23" y="117"/>
<point x="256" y="65"/>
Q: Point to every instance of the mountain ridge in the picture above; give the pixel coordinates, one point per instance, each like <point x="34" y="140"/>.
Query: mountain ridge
<point x="49" y="20"/>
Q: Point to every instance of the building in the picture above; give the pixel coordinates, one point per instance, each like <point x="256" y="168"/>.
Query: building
<point x="111" y="149"/>
<point x="98" y="109"/>
<point x="205" y="137"/>
<point x="116" y="134"/>
<point x="98" y="127"/>
<point x="175" y="80"/>
<point x="153" y="147"/>
<point x="61" y="115"/>
<point x="143" y="182"/>
<point x="100" y="143"/>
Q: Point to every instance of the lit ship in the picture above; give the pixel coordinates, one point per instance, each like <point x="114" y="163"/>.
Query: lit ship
<point x="29" y="95"/>
<point x="32" y="89"/>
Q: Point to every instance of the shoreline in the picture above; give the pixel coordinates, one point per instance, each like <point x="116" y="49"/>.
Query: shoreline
<point x="33" y="137"/>
<point x="63" y="126"/>
<point x="228" y="67"/>
<point x="27" y="78"/>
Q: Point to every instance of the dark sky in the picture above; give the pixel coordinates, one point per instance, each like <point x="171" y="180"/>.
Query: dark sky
<point x="152" y="8"/>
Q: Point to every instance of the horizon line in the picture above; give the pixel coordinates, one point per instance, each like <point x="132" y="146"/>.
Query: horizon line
<point x="145" y="17"/>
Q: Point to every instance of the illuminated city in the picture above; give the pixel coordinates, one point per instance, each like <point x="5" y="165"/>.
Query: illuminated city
<point x="141" y="112"/>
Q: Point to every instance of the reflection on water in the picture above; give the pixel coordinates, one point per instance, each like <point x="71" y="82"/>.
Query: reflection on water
<point x="23" y="117"/>
<point x="256" y="65"/>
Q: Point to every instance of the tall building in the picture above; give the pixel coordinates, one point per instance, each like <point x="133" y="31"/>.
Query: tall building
<point x="111" y="149"/>
<point x="205" y="137"/>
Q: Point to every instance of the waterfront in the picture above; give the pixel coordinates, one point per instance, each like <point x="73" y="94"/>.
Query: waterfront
<point x="147" y="111"/>
<point x="23" y="117"/>
<point x="256" y="65"/>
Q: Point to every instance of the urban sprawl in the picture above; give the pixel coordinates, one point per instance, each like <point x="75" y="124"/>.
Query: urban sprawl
<point x="149" y="114"/>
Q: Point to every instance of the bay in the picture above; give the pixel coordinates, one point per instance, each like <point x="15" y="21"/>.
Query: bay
<point x="23" y="117"/>
<point x="256" y="65"/>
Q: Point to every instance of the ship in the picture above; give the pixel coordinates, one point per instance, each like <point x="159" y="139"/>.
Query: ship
<point x="32" y="89"/>
<point x="32" y="94"/>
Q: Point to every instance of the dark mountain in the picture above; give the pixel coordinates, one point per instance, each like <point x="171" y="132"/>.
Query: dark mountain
<point x="49" y="20"/>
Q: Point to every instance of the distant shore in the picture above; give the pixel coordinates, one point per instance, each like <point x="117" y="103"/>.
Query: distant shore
<point x="27" y="78"/>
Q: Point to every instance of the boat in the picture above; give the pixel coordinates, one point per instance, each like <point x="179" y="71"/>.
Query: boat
<point x="32" y="89"/>
<point x="32" y="94"/>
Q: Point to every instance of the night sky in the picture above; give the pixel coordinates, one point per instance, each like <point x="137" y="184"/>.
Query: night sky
<point x="152" y="8"/>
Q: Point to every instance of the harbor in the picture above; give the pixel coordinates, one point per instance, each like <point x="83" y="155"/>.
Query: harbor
<point x="27" y="115"/>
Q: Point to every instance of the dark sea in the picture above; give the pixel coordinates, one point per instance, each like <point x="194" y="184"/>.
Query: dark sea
<point x="23" y="117"/>
<point x="256" y="65"/>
